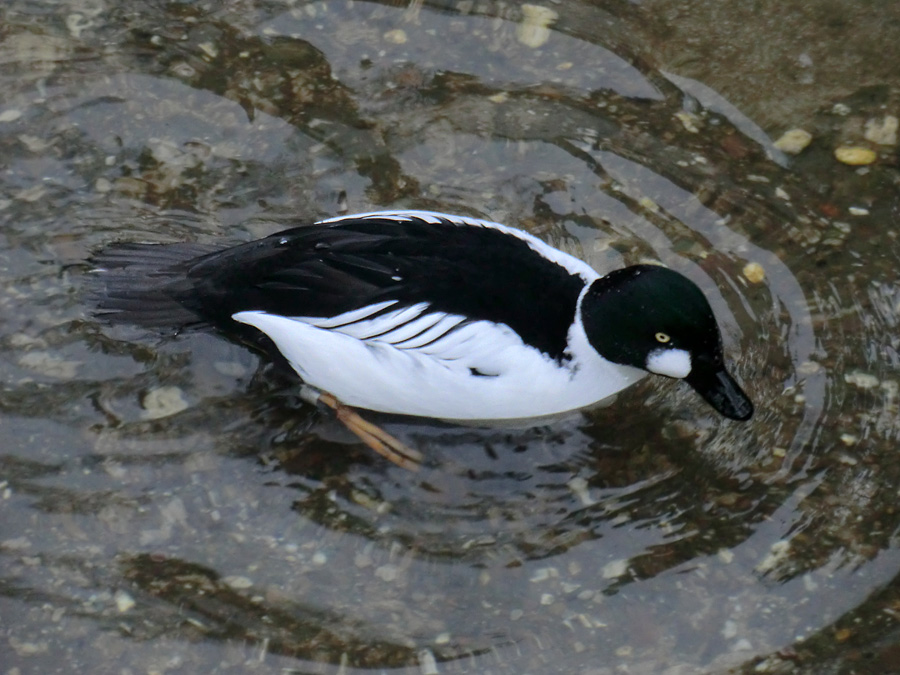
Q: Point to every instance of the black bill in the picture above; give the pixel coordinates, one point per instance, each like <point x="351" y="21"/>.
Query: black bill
<point x="721" y="391"/>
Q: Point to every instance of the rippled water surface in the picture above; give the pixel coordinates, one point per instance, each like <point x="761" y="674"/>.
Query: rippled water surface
<point x="167" y="503"/>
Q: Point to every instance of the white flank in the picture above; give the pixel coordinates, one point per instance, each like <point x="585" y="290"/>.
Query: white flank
<point x="452" y="370"/>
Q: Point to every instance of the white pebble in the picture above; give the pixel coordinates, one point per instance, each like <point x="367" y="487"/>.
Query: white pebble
<point x="615" y="569"/>
<point x="544" y="573"/>
<point x="162" y="402"/>
<point x="688" y="120"/>
<point x="534" y="30"/>
<point x="841" y="109"/>
<point x="777" y="552"/>
<point x="209" y="49"/>
<point x="77" y="24"/>
<point x="124" y="601"/>
<point x="50" y="365"/>
<point x="397" y="36"/>
<point x="427" y="663"/>
<point x="729" y="629"/>
<point x="884" y="131"/>
<point x="809" y="368"/>
<point x="387" y="573"/>
<point x="15" y="544"/>
<point x="33" y="143"/>
<point x="10" y="115"/>
<point x="793" y="142"/>
<point x="230" y="368"/>
<point x="861" y="380"/>
<point x="579" y="487"/>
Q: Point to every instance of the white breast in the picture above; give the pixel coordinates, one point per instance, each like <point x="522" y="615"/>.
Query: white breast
<point x="413" y="361"/>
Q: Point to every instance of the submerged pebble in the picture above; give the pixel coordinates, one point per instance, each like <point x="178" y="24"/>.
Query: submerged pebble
<point x="778" y="552"/>
<point x="387" y="572"/>
<point x="237" y="582"/>
<point x="579" y="486"/>
<point x="50" y="365"/>
<point x="534" y="30"/>
<point x="729" y="629"/>
<point x="396" y="36"/>
<point x="794" y="141"/>
<point x="209" y="49"/>
<point x="754" y="272"/>
<point x="427" y="663"/>
<point x="854" y="155"/>
<point x="614" y="569"/>
<point x="689" y="121"/>
<point x="883" y="131"/>
<point x="124" y="601"/>
<point x="10" y="115"/>
<point x="861" y="380"/>
<point x="23" y="648"/>
<point x="162" y="402"/>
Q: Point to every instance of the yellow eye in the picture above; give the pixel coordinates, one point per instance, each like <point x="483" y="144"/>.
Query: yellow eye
<point x="662" y="337"/>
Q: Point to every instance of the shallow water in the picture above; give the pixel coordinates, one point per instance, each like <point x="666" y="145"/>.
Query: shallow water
<point x="168" y="503"/>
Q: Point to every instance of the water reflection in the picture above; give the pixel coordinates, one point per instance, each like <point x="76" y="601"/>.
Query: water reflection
<point x="169" y="495"/>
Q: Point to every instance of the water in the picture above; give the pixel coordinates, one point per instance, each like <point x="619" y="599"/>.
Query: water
<point x="169" y="505"/>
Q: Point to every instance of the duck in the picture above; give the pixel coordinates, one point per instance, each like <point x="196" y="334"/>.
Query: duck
<point x="430" y="315"/>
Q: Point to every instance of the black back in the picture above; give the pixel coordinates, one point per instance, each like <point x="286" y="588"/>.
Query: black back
<point x="328" y="269"/>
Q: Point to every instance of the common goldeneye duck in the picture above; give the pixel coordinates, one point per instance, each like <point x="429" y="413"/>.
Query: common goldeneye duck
<point x="428" y="314"/>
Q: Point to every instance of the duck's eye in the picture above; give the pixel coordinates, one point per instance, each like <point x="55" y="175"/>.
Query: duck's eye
<point x="662" y="337"/>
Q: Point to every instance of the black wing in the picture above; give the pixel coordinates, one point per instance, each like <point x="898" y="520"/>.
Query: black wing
<point x="327" y="269"/>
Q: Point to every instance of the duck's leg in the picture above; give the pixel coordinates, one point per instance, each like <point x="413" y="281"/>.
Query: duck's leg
<point x="372" y="435"/>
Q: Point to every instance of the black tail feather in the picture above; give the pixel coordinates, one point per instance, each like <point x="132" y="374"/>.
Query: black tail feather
<point x="145" y="284"/>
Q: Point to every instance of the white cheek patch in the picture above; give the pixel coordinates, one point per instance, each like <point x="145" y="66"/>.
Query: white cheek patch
<point x="669" y="362"/>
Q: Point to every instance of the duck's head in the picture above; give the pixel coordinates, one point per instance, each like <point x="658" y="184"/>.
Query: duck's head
<point x="651" y="317"/>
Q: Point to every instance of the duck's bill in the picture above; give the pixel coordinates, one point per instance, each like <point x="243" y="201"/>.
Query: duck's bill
<point x="720" y="390"/>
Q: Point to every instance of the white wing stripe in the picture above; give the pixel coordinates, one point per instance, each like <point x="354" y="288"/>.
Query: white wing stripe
<point x="433" y="334"/>
<point x="350" y="317"/>
<point x="383" y="328"/>
<point x="408" y="330"/>
<point x="411" y="329"/>
<point x="379" y="326"/>
<point x="388" y="327"/>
